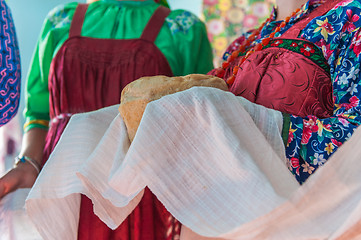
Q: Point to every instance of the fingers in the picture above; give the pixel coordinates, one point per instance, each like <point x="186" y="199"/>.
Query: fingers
<point x="9" y="182"/>
<point x="2" y="190"/>
<point x="22" y="176"/>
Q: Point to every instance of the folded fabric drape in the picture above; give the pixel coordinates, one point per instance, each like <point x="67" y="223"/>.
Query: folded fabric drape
<point x="216" y="162"/>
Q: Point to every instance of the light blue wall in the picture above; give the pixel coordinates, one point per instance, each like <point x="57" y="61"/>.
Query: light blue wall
<point x="29" y="15"/>
<point x="194" y="6"/>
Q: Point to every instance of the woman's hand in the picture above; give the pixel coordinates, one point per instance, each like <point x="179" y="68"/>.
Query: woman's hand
<point x="23" y="175"/>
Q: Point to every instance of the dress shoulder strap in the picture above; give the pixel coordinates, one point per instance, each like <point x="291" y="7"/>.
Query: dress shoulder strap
<point x="78" y="20"/>
<point x="155" y="24"/>
<point x="295" y="30"/>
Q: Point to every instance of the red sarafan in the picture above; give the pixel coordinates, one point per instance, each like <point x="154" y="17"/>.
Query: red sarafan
<point x="88" y="74"/>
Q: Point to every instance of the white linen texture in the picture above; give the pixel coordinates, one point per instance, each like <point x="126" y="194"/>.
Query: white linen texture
<point x="216" y="162"/>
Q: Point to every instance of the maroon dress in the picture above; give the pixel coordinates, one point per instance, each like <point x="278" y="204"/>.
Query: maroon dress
<point x="88" y="74"/>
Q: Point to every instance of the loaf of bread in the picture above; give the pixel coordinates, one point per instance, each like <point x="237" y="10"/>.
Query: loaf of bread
<point x="137" y="94"/>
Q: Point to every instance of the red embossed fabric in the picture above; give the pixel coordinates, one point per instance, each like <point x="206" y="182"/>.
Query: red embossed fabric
<point x="283" y="80"/>
<point x="286" y="81"/>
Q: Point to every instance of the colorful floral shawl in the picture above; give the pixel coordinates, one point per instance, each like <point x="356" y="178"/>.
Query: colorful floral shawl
<point x="337" y="34"/>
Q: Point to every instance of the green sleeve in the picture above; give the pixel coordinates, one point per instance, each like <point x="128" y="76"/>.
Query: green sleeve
<point x="193" y="52"/>
<point x="286" y="127"/>
<point x="183" y="40"/>
<point x="36" y="110"/>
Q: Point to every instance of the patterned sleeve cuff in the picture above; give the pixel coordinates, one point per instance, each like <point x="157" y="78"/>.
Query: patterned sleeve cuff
<point x="286" y="127"/>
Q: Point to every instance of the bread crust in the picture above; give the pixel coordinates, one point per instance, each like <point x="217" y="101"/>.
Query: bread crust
<point x="137" y="94"/>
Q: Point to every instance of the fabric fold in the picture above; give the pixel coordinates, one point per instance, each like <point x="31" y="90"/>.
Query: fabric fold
<point x="216" y="162"/>
<point x="55" y="195"/>
<point x="194" y="148"/>
<point x="109" y="205"/>
<point x="327" y="206"/>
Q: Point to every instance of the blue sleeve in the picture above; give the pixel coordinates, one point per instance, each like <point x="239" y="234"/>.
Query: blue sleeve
<point x="10" y="73"/>
<point x="312" y="141"/>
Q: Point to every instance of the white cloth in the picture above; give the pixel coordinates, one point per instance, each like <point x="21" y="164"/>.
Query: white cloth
<point x="14" y="222"/>
<point x="53" y="204"/>
<point x="214" y="160"/>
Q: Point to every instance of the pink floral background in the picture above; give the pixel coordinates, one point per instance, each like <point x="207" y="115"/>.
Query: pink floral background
<point x="227" y="19"/>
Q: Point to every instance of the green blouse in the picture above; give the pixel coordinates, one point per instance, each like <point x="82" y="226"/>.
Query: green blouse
<point x="183" y="41"/>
